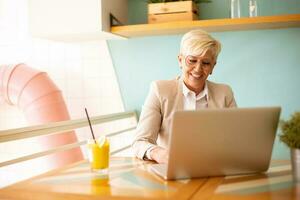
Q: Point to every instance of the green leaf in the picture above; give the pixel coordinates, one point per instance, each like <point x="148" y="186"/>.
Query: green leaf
<point x="290" y="131"/>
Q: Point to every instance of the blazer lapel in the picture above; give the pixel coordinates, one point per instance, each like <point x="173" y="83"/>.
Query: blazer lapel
<point x="210" y="101"/>
<point x="179" y="95"/>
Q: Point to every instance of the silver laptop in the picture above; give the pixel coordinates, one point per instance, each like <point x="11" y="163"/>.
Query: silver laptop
<point x="216" y="142"/>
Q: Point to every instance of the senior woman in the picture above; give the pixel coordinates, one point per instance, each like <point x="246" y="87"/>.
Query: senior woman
<point x="191" y="91"/>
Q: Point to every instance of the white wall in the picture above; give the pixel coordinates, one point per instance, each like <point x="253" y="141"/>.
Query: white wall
<point x="83" y="71"/>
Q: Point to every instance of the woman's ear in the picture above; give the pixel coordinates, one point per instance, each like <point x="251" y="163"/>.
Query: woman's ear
<point x="179" y="57"/>
<point x="212" y="69"/>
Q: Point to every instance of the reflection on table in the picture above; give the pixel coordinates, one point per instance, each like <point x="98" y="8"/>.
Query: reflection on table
<point x="131" y="178"/>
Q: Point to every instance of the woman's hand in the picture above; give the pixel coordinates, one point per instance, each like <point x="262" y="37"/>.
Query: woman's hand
<point x="159" y="154"/>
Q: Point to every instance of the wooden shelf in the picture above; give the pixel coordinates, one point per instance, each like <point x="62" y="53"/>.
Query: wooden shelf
<point x="214" y="25"/>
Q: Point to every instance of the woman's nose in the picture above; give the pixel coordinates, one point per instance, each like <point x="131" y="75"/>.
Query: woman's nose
<point x="198" y="67"/>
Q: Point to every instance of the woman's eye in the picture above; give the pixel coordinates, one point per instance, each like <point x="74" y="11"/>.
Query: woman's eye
<point x="193" y="61"/>
<point x="205" y="63"/>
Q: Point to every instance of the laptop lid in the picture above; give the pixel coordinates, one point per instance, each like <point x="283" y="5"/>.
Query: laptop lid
<point x="215" y="142"/>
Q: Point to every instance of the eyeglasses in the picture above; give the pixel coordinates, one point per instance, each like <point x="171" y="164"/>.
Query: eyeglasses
<point x="193" y="61"/>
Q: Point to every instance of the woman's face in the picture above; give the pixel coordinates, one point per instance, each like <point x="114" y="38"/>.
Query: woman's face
<point x="196" y="69"/>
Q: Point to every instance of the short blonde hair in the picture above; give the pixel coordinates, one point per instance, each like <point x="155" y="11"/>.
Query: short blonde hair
<point x="196" y="42"/>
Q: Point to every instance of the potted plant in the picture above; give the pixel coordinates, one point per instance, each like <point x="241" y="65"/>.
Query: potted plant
<point x="173" y="10"/>
<point x="291" y="137"/>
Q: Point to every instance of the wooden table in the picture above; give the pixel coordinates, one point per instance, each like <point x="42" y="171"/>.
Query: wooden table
<point x="129" y="178"/>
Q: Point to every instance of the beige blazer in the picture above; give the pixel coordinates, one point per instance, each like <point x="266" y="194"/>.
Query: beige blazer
<point x="164" y="98"/>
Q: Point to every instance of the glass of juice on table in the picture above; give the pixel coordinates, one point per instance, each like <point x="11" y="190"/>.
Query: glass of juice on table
<point x="98" y="154"/>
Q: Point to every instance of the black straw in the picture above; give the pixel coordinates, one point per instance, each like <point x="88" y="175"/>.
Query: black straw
<point x="87" y="115"/>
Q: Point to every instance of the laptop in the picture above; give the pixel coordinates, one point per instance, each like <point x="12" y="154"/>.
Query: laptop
<point x="217" y="142"/>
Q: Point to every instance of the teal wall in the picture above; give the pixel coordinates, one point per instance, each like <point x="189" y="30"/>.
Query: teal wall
<point x="261" y="66"/>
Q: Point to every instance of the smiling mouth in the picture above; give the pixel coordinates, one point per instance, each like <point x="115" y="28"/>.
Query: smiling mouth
<point x="196" y="76"/>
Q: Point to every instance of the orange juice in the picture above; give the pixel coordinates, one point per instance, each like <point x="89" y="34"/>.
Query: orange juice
<point x="99" y="154"/>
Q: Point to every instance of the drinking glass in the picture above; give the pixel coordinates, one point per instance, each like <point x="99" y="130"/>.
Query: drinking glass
<point x="98" y="154"/>
<point x="235" y="9"/>
<point x="253" y="8"/>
